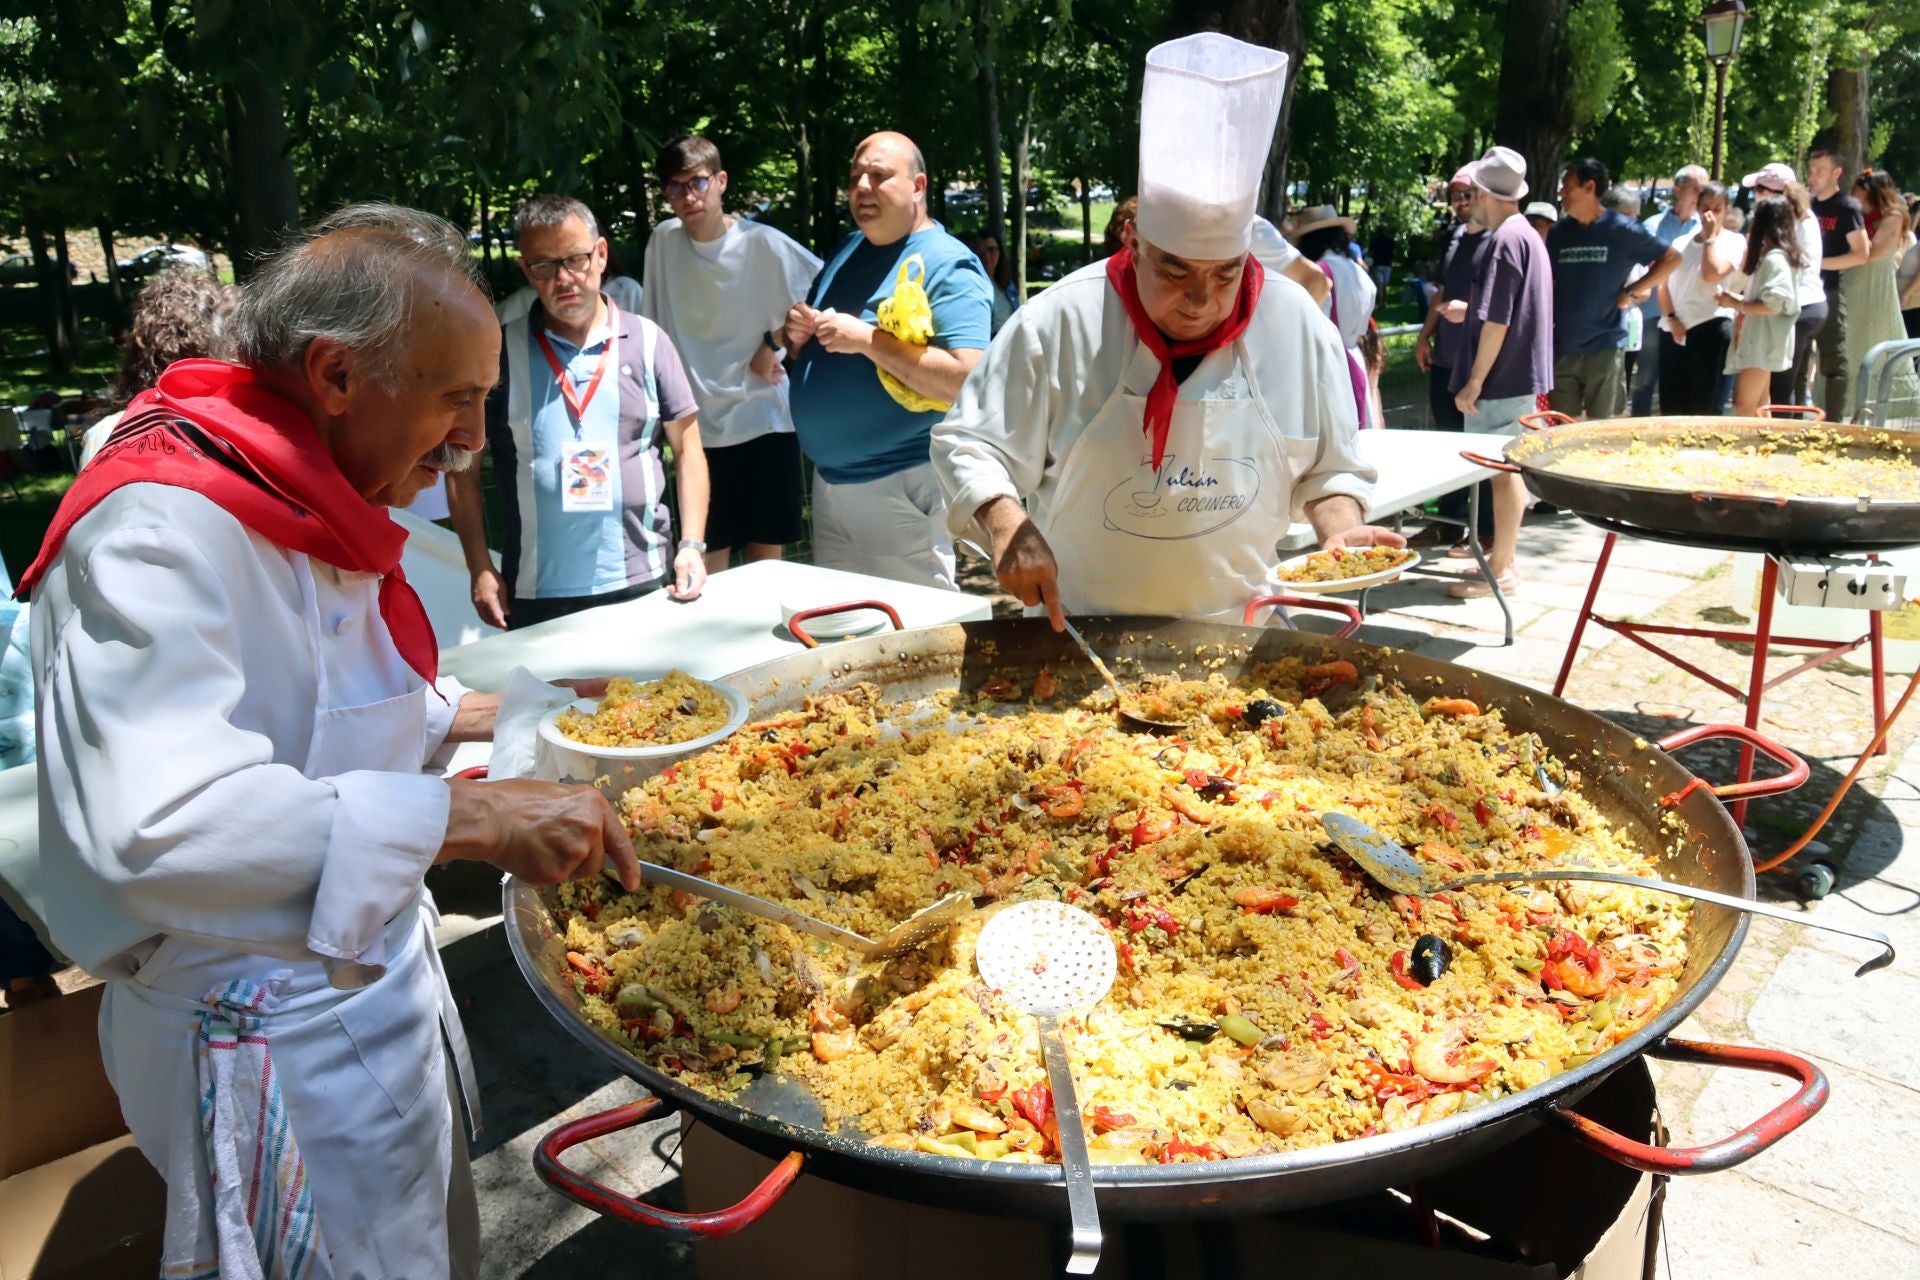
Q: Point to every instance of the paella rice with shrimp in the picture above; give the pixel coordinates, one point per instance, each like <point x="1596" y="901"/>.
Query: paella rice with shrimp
<point x="1269" y="996"/>
<point x="646" y="713"/>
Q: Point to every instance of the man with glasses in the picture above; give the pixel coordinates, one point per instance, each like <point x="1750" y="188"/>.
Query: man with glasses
<point x="719" y="286"/>
<point x="877" y="507"/>
<point x="586" y="390"/>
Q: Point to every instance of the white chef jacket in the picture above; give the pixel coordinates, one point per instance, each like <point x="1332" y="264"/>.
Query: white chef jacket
<point x="206" y="701"/>
<point x="1065" y="354"/>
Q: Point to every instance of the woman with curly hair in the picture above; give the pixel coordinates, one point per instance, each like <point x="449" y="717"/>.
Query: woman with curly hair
<point x="178" y="315"/>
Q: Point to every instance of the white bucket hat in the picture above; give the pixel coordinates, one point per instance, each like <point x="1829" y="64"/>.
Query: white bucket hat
<point x="1502" y="174"/>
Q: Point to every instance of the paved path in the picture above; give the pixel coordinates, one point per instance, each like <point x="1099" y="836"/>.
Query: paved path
<point x="1829" y="1200"/>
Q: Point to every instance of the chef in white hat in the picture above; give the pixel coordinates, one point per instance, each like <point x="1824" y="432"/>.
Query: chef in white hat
<point x="1164" y="414"/>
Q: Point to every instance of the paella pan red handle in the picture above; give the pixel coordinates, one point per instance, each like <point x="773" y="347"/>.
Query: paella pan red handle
<point x="666" y="1222"/>
<point x="821" y="611"/>
<point x="1796" y="773"/>
<point x="1544" y="418"/>
<point x="1347" y="611"/>
<point x="1812" y="413"/>
<point x="1491" y="464"/>
<point x="1728" y="1152"/>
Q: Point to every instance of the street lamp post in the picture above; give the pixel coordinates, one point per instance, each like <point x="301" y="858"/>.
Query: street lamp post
<point x="1722" y="23"/>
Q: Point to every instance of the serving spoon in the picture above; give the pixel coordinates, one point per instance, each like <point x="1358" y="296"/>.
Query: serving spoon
<point x="1119" y="698"/>
<point x="1391" y="866"/>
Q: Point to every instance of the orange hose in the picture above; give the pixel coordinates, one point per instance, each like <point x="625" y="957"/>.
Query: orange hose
<point x="1879" y="737"/>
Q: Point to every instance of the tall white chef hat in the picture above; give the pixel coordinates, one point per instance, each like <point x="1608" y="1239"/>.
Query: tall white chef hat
<point x="1207" y="113"/>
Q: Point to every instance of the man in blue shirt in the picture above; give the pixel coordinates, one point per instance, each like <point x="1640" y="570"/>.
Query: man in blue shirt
<point x="1594" y="250"/>
<point x="587" y="391"/>
<point x="877" y="508"/>
<point x="1682" y="219"/>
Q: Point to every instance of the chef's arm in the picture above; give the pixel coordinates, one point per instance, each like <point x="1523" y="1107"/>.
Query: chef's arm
<point x="995" y="441"/>
<point x="1334" y="514"/>
<point x="934" y="372"/>
<point x="1022" y="560"/>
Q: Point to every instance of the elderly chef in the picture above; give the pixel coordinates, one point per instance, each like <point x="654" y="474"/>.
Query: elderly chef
<point x="237" y="696"/>
<point x="1165" y="413"/>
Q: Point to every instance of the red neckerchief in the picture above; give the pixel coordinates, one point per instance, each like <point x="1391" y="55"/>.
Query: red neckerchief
<point x="214" y="428"/>
<point x="1161" y="397"/>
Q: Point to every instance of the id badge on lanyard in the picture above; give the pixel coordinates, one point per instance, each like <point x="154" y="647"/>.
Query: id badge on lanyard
<point x="586" y="470"/>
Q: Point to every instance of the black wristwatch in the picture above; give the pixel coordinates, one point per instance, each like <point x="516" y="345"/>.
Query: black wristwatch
<point x="771" y="345"/>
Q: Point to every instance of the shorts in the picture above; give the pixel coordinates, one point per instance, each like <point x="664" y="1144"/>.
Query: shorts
<point x="756" y="491"/>
<point x="1590" y="386"/>
<point x="1500" y="417"/>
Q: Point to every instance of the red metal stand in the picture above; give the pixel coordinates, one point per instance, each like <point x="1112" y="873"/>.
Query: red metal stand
<point x="1761" y="638"/>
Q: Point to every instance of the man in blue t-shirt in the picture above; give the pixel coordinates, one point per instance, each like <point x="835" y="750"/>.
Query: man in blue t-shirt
<point x="1594" y="250"/>
<point x="876" y="506"/>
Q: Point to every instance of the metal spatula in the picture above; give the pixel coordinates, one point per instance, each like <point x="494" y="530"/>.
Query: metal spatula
<point x="904" y="936"/>
<point x="1394" y="868"/>
<point x="1119" y="698"/>
<point x="1047" y="959"/>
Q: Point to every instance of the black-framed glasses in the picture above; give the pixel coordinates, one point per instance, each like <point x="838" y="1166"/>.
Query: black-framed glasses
<point x="691" y="187"/>
<point x="575" y="264"/>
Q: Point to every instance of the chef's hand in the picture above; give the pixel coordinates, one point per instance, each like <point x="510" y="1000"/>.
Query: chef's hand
<point x="542" y="832"/>
<point x="801" y="320"/>
<point x="490" y="598"/>
<point x="1022" y="560"/>
<point x="1362" y="535"/>
<point x="689" y="574"/>
<point x="766" y="364"/>
<point x="843" y="334"/>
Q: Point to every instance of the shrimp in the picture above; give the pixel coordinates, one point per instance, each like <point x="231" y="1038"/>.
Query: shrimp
<point x="1437" y="1057"/>
<point x="722" y="1000"/>
<point x="1452" y="707"/>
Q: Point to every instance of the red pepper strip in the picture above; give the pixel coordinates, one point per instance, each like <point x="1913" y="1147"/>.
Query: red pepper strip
<point x="1034" y="1104"/>
<point x="1385" y="1084"/>
<point x="993" y="1095"/>
<point x="1126" y="954"/>
<point x="1444" y="816"/>
<point x="671" y="773"/>
<point x="1105" y="1119"/>
<point x="1401" y="976"/>
<point x="1481" y="811"/>
<point x="717" y="802"/>
<point x="1321" y="1027"/>
<point x="1176" y="1148"/>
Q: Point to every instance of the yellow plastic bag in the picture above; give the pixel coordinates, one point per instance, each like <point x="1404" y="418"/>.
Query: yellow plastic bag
<point x="908" y="316"/>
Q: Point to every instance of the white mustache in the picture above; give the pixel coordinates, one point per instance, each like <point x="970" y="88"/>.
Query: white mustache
<point x="451" y="458"/>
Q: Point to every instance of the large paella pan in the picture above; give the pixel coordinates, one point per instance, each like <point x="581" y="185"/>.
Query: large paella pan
<point x="1757" y="484"/>
<point x="1632" y="786"/>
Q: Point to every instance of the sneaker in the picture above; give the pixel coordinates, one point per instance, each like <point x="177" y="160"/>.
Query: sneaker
<point x="1475" y="586"/>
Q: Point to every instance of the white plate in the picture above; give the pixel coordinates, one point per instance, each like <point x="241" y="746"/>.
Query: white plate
<point x="1360" y="583"/>
<point x="582" y="761"/>
<point x="834" y="626"/>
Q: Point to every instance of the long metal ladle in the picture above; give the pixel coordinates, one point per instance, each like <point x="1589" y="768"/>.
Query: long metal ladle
<point x="1119" y="698"/>
<point x="1394" y="868"/>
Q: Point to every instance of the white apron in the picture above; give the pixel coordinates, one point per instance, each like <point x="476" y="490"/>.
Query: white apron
<point x="1196" y="540"/>
<point x="360" y="1057"/>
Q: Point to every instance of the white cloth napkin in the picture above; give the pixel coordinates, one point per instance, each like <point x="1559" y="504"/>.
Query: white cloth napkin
<point x="518" y="749"/>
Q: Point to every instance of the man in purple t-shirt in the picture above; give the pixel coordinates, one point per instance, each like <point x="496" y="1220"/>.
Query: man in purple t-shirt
<point x="1506" y="349"/>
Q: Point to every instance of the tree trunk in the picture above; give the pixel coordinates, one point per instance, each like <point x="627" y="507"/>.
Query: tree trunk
<point x="69" y="300"/>
<point x="53" y="309"/>
<point x="1020" y="152"/>
<point x="1851" y="131"/>
<point x="265" y="191"/>
<point x="803" y="227"/>
<point x="989" y="88"/>
<point x="1276" y="25"/>
<point x="1086" y="216"/>
<point x="1534" y="115"/>
<point x="114" y="285"/>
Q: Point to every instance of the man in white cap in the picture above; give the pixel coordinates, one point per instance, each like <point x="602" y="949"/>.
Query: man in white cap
<point x="1165" y="413"/>
<point x="1506" y="351"/>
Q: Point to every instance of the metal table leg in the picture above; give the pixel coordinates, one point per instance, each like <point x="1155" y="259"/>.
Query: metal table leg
<point x="1586" y="612"/>
<point x="1757" y="679"/>
<point x="1480" y="558"/>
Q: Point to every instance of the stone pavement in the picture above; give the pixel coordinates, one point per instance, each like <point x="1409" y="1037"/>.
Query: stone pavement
<point x="1824" y="1202"/>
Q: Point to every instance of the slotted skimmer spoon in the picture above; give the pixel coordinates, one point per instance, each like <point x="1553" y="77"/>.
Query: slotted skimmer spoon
<point x="1119" y="698"/>
<point x="1049" y="959"/>
<point x="906" y="935"/>
<point x="1397" y="870"/>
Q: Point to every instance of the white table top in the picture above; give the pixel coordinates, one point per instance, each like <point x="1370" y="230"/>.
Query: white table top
<point x="1419" y="466"/>
<point x="736" y="623"/>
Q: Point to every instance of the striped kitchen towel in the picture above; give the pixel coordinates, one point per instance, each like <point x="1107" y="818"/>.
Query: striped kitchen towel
<point x="238" y="1203"/>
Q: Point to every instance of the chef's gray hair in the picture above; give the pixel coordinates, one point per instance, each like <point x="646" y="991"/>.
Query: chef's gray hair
<point x="351" y="279"/>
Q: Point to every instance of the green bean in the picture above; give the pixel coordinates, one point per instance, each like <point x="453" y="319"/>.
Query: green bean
<point x="738" y="1039"/>
<point x="636" y="998"/>
<point x="1530" y="963"/>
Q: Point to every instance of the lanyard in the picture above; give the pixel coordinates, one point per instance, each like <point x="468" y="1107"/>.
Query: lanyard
<point x="577" y="403"/>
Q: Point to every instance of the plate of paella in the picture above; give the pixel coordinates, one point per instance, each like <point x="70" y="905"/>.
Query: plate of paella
<point x="1345" y="569"/>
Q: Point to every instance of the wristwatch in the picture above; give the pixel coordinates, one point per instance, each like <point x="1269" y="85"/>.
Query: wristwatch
<point x="771" y="345"/>
<point x="688" y="544"/>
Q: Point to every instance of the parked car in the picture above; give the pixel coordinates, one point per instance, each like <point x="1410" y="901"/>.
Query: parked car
<point x="162" y="257"/>
<point x="18" y="269"/>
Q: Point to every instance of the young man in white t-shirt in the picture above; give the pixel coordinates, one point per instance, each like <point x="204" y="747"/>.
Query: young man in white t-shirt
<point x="720" y="286"/>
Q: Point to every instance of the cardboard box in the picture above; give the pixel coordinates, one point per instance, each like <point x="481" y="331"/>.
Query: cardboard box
<point x="1541" y="1208"/>
<point x="1829" y="582"/>
<point x="54" y="1095"/>
<point x="77" y="1199"/>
